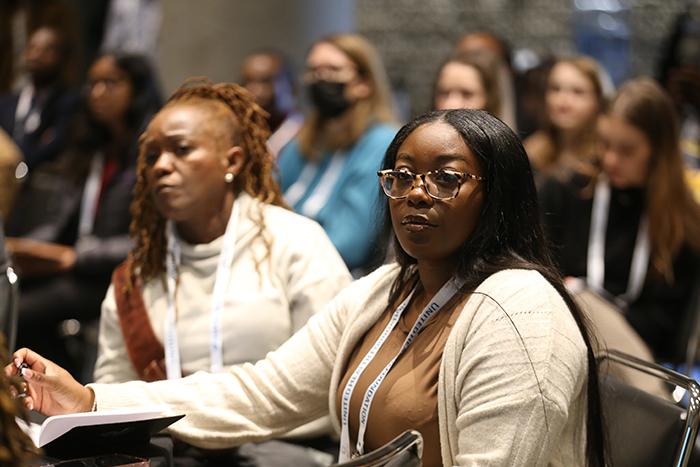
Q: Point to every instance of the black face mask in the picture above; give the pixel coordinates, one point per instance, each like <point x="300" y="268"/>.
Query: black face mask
<point x="329" y="98"/>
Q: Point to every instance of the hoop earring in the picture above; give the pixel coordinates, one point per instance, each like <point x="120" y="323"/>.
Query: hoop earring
<point x="228" y="177"/>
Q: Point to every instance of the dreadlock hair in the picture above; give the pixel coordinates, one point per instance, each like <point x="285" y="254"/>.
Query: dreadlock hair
<point x="147" y="257"/>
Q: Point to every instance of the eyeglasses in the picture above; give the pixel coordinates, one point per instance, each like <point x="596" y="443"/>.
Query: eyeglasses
<point x="333" y="74"/>
<point x="108" y="83"/>
<point x="439" y="184"/>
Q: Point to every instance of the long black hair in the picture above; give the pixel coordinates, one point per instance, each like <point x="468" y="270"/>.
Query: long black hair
<point x="89" y="135"/>
<point x="509" y="235"/>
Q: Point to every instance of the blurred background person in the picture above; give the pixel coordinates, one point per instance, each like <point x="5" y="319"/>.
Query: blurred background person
<point x="19" y="20"/>
<point x="530" y="89"/>
<point x="632" y="232"/>
<point x="469" y="80"/>
<point x="269" y="77"/>
<point x="328" y="170"/>
<point x="680" y="74"/>
<point x="10" y="158"/>
<point x="75" y="234"/>
<point x="573" y="99"/>
<point x="487" y="41"/>
<point x="38" y="116"/>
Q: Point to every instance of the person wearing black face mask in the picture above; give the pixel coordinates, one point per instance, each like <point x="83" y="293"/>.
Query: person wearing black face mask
<point x="329" y="97"/>
<point x="325" y="171"/>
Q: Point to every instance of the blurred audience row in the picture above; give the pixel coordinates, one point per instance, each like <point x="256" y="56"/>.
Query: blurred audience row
<point x="80" y="192"/>
<point x="139" y="221"/>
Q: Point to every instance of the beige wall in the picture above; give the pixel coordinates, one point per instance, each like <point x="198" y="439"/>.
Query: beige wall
<point x="211" y="37"/>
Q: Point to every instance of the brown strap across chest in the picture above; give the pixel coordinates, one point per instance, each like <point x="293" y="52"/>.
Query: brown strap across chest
<point x="146" y="353"/>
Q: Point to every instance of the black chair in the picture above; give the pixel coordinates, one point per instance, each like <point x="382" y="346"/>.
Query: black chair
<point x="688" y="341"/>
<point x="9" y="296"/>
<point x="403" y="451"/>
<point x="645" y="430"/>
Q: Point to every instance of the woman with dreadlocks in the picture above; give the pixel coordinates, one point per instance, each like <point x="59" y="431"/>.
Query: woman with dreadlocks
<point x="222" y="272"/>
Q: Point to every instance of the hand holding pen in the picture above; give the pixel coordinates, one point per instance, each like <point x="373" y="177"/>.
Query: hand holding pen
<point x="18" y="385"/>
<point x="47" y="387"/>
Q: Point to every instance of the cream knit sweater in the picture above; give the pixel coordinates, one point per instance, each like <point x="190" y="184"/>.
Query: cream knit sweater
<point x="512" y="385"/>
<point x="266" y="301"/>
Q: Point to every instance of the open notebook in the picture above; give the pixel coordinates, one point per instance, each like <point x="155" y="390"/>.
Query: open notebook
<point x="109" y="427"/>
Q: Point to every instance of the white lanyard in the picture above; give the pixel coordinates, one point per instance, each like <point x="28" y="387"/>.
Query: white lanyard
<point x="27" y="120"/>
<point x="322" y="191"/>
<point x="289" y="128"/>
<point x="223" y="274"/>
<point x="595" y="274"/>
<point x="91" y="195"/>
<point x="438" y="301"/>
<point x="296" y="191"/>
<point x="319" y="197"/>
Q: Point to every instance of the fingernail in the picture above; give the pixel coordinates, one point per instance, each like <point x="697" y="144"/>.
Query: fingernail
<point x="30" y="406"/>
<point x="18" y="362"/>
<point x="28" y="374"/>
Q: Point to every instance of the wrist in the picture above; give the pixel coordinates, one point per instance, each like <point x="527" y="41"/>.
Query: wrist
<point x="92" y="402"/>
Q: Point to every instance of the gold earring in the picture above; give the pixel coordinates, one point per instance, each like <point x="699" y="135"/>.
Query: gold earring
<point x="228" y="177"/>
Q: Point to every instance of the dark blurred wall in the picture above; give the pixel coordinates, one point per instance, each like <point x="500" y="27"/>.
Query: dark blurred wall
<point x="211" y="37"/>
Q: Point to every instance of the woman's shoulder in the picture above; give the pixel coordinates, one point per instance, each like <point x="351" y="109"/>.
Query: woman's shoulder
<point x="536" y="145"/>
<point x="525" y="301"/>
<point x="520" y="292"/>
<point x="510" y="282"/>
<point x="290" y="156"/>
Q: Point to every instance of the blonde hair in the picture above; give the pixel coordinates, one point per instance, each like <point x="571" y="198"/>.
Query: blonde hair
<point x="549" y="152"/>
<point x="674" y="216"/>
<point x="377" y="107"/>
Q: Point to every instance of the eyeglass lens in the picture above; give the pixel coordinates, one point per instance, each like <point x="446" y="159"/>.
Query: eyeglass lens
<point x="438" y="184"/>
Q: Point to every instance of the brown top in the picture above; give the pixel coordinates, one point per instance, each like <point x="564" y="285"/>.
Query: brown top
<point x="407" y="399"/>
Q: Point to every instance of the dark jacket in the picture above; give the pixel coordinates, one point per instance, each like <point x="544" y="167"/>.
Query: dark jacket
<point x="50" y="139"/>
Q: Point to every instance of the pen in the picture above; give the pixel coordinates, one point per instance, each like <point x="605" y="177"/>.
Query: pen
<point x="19" y="383"/>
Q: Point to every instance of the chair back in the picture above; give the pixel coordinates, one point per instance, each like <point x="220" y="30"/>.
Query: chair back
<point x="645" y="430"/>
<point x="403" y="451"/>
<point x="9" y="296"/>
<point x="688" y="340"/>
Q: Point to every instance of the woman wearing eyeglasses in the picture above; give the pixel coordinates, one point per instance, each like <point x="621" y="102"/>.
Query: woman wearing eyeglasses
<point x="469" y="337"/>
<point x="82" y="203"/>
<point x="327" y="171"/>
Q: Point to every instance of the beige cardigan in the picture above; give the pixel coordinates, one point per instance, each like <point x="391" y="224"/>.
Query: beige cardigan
<point x="491" y="406"/>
